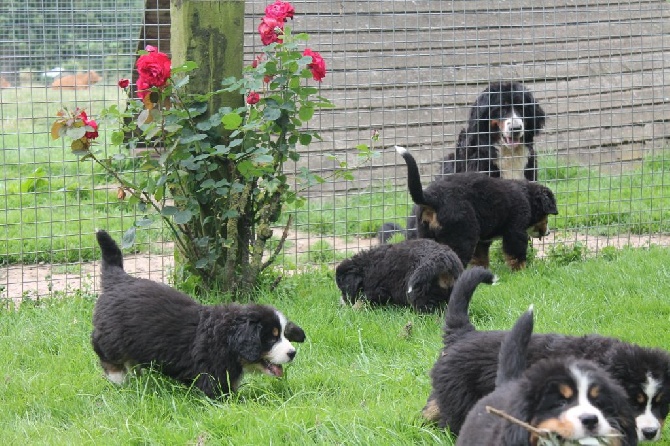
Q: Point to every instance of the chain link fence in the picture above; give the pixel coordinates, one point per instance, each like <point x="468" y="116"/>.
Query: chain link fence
<point x="400" y="73"/>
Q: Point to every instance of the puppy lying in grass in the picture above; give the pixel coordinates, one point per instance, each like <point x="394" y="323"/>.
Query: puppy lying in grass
<point x="418" y="273"/>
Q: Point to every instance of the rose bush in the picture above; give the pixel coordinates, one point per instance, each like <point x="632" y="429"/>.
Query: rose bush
<point x="216" y="178"/>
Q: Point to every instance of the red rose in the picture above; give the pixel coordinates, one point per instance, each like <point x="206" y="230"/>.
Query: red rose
<point x="267" y="30"/>
<point x="91" y="123"/>
<point x="317" y="66"/>
<point x="154" y="68"/>
<point x="253" y="98"/>
<point x="280" y="10"/>
<point x="123" y="83"/>
<point x="142" y="88"/>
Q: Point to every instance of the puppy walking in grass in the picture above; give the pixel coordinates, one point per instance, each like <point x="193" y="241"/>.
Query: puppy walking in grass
<point x="467" y="211"/>
<point x="139" y="322"/>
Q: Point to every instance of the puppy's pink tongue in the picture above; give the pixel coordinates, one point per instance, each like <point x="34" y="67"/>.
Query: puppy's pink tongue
<point x="276" y="370"/>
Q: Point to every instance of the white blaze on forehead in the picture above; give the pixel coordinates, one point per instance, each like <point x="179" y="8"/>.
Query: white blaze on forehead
<point x="282" y="321"/>
<point x="584" y="407"/>
<point x="646" y="420"/>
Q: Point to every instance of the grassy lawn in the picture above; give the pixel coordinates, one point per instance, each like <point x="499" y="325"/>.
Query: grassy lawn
<point x="635" y="202"/>
<point x="360" y="378"/>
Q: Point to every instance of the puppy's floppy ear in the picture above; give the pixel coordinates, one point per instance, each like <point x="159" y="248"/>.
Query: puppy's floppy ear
<point x="247" y="339"/>
<point x="533" y="114"/>
<point x="349" y="279"/>
<point x="294" y="333"/>
<point x="548" y="202"/>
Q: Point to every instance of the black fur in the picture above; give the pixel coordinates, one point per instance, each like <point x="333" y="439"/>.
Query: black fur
<point x="419" y="273"/>
<point x="534" y="396"/>
<point x="478" y="146"/>
<point x="466" y="370"/>
<point x="141" y="322"/>
<point x="468" y="210"/>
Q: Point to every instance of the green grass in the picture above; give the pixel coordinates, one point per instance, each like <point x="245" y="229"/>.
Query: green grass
<point x="50" y="203"/>
<point x="637" y="201"/>
<point x="357" y="380"/>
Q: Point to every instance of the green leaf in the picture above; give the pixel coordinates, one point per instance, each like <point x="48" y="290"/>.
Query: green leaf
<point x="231" y="121"/>
<point x="271" y="113"/>
<point x="183" y="217"/>
<point x="169" y="211"/>
<point x="306" y="113"/>
<point x="305" y="139"/>
<point x="128" y="238"/>
<point x="118" y="137"/>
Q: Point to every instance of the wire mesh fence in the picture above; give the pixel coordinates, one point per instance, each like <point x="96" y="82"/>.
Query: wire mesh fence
<point x="399" y="73"/>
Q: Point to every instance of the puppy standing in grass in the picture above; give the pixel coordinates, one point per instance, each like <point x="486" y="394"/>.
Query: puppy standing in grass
<point x="468" y="210"/>
<point x="419" y="273"/>
<point x="140" y="322"/>
<point x="570" y="401"/>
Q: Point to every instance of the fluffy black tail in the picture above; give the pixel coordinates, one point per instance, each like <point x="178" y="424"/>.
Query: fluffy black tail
<point x="457" y="311"/>
<point x="431" y="267"/>
<point x="514" y="349"/>
<point x="413" y="176"/>
<point x="111" y="254"/>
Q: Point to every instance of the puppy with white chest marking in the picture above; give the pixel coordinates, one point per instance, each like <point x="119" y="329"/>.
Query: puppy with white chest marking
<point x="467" y="211"/>
<point x="139" y="322"/>
<point x="565" y="401"/>
<point x="466" y="370"/>
<point x="498" y="141"/>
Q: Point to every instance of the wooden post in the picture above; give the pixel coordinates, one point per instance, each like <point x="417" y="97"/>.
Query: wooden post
<point x="210" y="33"/>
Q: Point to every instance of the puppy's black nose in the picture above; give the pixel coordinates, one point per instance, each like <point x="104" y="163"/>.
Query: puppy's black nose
<point x="589" y="421"/>
<point x="649" y="433"/>
<point x="291" y="354"/>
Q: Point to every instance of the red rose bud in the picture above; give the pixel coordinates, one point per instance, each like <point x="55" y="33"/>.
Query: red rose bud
<point x="123" y="83"/>
<point x="268" y="30"/>
<point x="253" y="98"/>
<point x="280" y="10"/>
<point x="318" y="65"/>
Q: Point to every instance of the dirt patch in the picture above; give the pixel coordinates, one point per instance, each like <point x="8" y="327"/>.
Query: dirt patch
<point x="19" y="282"/>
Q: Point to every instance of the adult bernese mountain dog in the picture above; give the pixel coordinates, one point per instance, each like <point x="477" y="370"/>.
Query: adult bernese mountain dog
<point x="466" y="370"/>
<point x="468" y="210"/>
<point x="565" y="401"/>
<point x="139" y="322"/>
<point x="419" y="273"/>
<point x="498" y="140"/>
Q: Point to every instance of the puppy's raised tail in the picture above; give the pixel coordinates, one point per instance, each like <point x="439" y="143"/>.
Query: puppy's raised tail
<point x="457" y="317"/>
<point x="111" y="254"/>
<point x="413" y="177"/>
<point x="514" y="349"/>
<point x="447" y="263"/>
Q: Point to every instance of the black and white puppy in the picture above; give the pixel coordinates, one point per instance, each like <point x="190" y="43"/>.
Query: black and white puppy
<point x="140" y="322"/>
<point x="419" y="273"/>
<point x="467" y="211"/>
<point x="572" y="401"/>
<point x="466" y="370"/>
<point x="498" y="140"/>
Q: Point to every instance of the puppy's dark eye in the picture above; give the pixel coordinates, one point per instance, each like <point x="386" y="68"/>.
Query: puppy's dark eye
<point x="594" y="392"/>
<point x="641" y="399"/>
<point x="658" y="398"/>
<point x="275" y="332"/>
